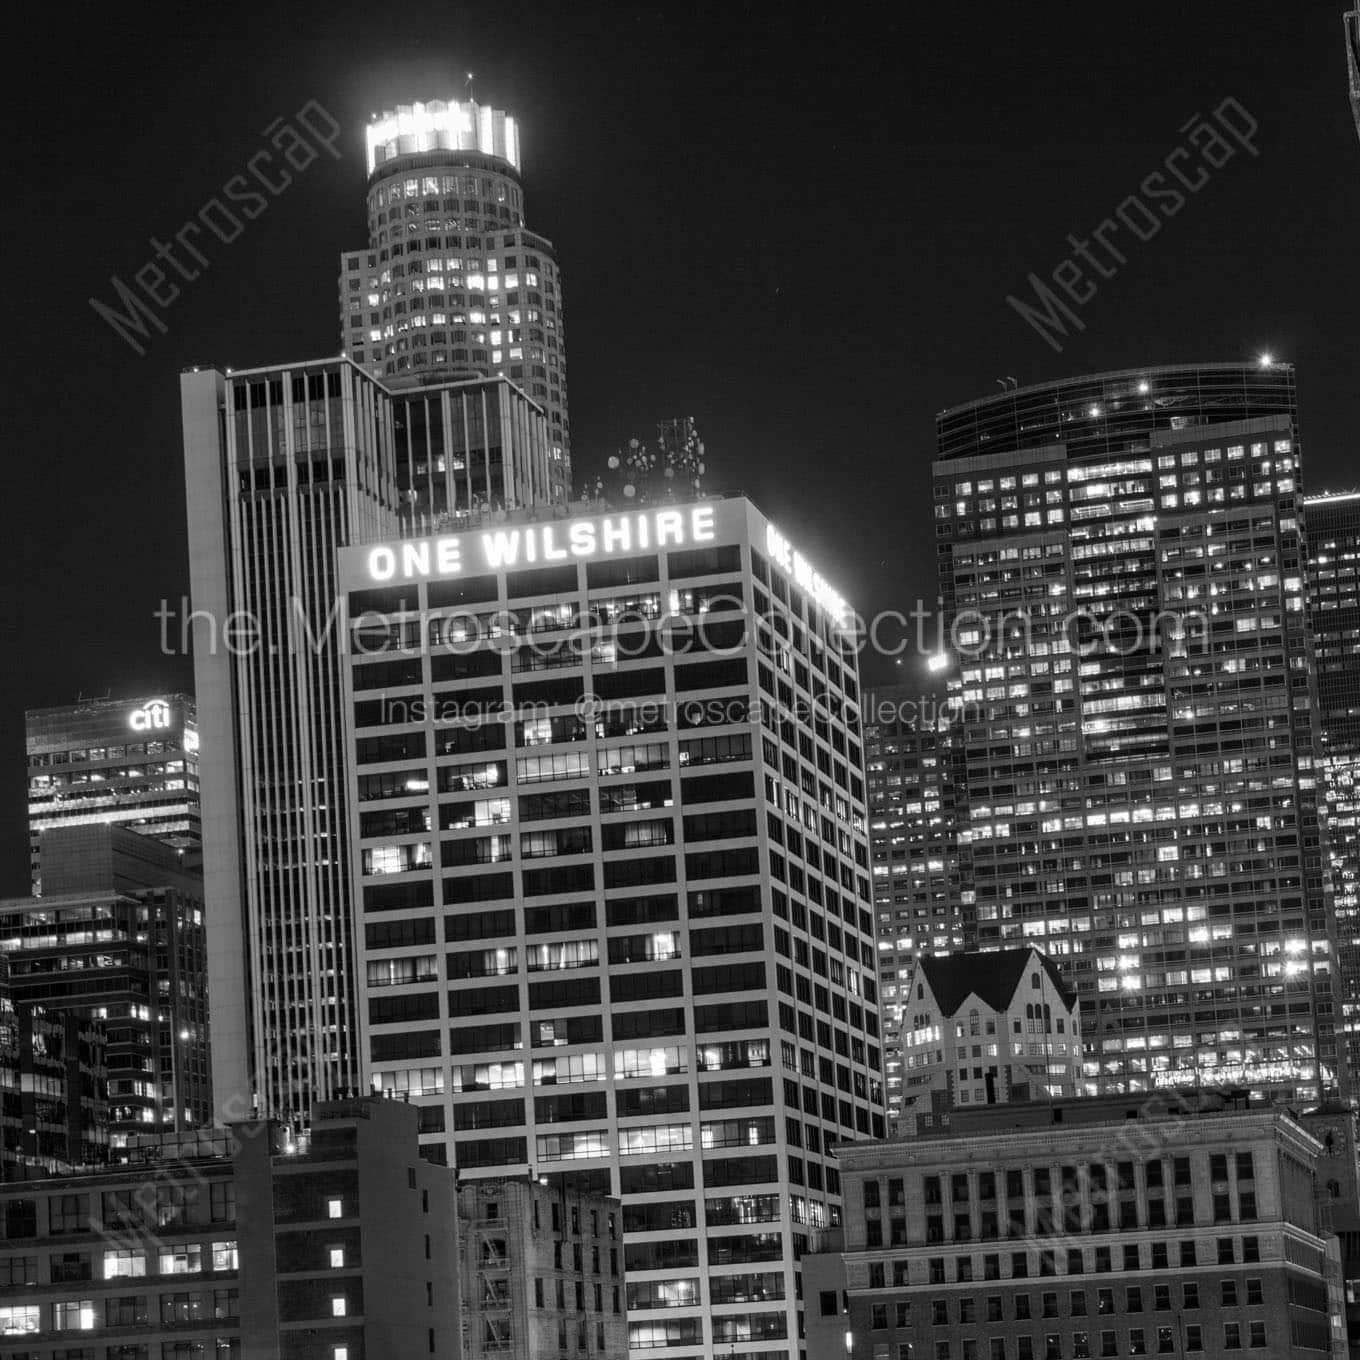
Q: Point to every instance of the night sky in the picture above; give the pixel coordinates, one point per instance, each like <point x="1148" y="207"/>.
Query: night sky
<point x="798" y="225"/>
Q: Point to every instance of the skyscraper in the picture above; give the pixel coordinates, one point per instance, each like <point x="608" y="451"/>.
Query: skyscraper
<point x="912" y="835"/>
<point x="452" y="283"/>
<point x="1332" y="523"/>
<point x="1122" y="565"/>
<point x="133" y="762"/>
<point x="284" y="466"/>
<point x="610" y="838"/>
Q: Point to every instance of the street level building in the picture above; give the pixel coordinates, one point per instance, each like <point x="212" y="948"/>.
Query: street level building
<point x="1179" y="1224"/>
<point x="609" y="835"/>
<point x="452" y="283"/>
<point x="1122" y="565"/>
<point x="130" y="762"/>
<point x="239" y="1245"/>
<point x="541" y="1271"/>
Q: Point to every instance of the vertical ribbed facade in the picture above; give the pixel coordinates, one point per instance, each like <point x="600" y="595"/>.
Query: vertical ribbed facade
<point x="1122" y="565"/>
<point x="285" y="466"/>
<point x="304" y="466"/>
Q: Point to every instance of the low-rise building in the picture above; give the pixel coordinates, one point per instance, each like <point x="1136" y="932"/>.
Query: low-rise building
<point x="239" y="1245"/>
<point x="983" y="1028"/>
<point x="541" y="1271"/>
<point x="1184" y="1225"/>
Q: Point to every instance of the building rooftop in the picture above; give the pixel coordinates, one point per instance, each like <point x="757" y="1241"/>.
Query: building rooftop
<point x="992" y="977"/>
<point x="1118" y="410"/>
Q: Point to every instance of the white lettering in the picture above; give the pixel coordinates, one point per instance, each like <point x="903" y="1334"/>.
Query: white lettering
<point x="670" y="524"/>
<point x="779" y="548"/>
<point x="551" y="552"/>
<point x="804" y="575"/>
<point x="614" y="535"/>
<point x="154" y="716"/>
<point x="382" y="564"/>
<point x="582" y="538"/>
<point x="415" y="559"/>
<point x="448" y="556"/>
<point x="501" y="549"/>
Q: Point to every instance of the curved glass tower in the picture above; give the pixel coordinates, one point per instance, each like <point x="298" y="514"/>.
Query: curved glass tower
<point x="1122" y="565"/>
<point x="452" y="284"/>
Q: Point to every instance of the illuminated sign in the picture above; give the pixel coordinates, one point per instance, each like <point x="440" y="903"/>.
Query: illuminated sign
<point x="530" y="545"/>
<point x="793" y="564"/>
<point x="152" y="717"/>
<point x="190" y="739"/>
<point x="452" y="125"/>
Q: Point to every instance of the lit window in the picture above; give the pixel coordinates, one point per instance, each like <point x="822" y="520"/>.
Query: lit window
<point x="338" y="1306"/>
<point x="337" y="1258"/>
<point x="334" y="1209"/>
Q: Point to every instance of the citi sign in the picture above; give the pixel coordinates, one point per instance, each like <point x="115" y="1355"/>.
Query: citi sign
<point x="152" y="717"/>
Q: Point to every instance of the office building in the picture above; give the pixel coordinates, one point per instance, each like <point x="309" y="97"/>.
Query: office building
<point x="452" y="283"/>
<point x="1121" y="561"/>
<point x="239" y="1245"/>
<point x="130" y="762"/>
<point x="54" y="1097"/>
<point x="610" y="838"/>
<point x="1183" y="1225"/>
<point x="912" y="836"/>
<point x="1332" y="524"/>
<point x="284" y="465"/>
<point x="119" y="938"/>
<point x="984" y="1029"/>
<point x="541" y="1271"/>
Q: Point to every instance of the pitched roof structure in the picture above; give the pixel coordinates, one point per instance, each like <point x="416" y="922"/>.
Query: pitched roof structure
<point x="992" y="977"/>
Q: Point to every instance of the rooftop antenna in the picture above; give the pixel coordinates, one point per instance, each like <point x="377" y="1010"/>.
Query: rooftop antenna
<point x="471" y="94"/>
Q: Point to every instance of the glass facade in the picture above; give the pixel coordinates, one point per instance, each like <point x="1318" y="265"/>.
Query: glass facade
<point x="1123" y="577"/>
<point x="915" y="857"/>
<point x="1333" y="529"/>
